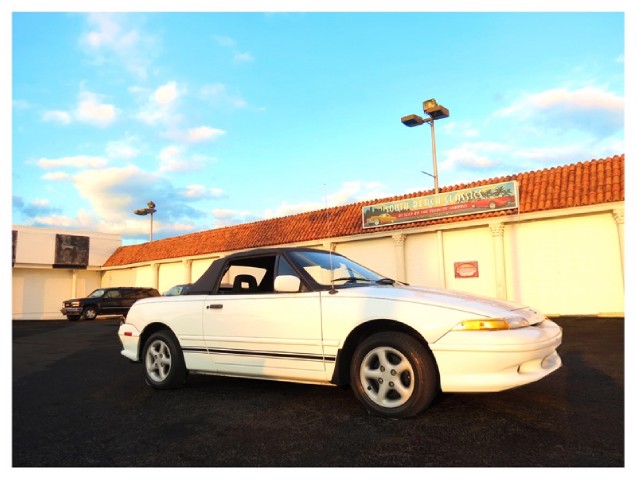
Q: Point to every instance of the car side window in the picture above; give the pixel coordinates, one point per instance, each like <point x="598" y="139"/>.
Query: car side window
<point x="284" y="268"/>
<point x="249" y="276"/>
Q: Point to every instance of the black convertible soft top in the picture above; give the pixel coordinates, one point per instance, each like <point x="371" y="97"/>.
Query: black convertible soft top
<point x="208" y="281"/>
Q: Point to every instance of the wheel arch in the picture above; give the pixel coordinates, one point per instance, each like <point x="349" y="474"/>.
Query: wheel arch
<point x="95" y="306"/>
<point x="341" y="375"/>
<point x="148" y="331"/>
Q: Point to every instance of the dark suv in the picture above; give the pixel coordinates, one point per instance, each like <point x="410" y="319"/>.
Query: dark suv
<point x="105" y="301"/>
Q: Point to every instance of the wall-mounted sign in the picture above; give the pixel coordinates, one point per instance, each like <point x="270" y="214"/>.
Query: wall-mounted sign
<point x="466" y="269"/>
<point x="489" y="198"/>
<point x="71" y="251"/>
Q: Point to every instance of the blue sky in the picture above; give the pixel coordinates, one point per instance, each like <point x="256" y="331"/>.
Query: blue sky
<point x="223" y="118"/>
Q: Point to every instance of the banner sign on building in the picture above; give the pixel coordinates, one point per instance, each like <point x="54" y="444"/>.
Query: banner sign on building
<point x="499" y="196"/>
<point x="71" y="251"/>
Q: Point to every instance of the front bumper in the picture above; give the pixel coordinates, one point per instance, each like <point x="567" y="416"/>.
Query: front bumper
<point x="71" y="310"/>
<point x="492" y="361"/>
<point x="129" y="338"/>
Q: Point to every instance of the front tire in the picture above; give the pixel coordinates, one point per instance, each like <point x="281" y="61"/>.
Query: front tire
<point x="394" y="375"/>
<point x="164" y="364"/>
<point x="89" y="313"/>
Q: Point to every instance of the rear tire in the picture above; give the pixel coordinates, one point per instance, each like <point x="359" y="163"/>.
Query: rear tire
<point x="164" y="365"/>
<point x="393" y="375"/>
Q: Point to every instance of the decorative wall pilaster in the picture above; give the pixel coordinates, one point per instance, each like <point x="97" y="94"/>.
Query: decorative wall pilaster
<point x="497" y="232"/>
<point x="155" y="275"/>
<point x="618" y="216"/>
<point x="187" y="263"/>
<point x="399" y="244"/>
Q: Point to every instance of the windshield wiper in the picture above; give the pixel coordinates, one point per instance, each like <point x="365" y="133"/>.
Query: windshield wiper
<point x="385" y="281"/>
<point x="351" y="279"/>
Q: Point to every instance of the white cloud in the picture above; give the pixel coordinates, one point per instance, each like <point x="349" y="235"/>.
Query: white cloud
<point x="161" y="104"/>
<point x="349" y="192"/>
<point x="476" y="155"/>
<point x="225" y="41"/>
<point x="203" y="133"/>
<point x="166" y="94"/>
<point x="122" y="149"/>
<point x="57" y="116"/>
<point x="217" y="94"/>
<point x="172" y="159"/>
<point x="586" y="109"/>
<point x="231" y="44"/>
<point x="111" y="40"/>
<point x="243" y="57"/>
<point x="106" y="32"/>
<point x="91" y="110"/>
<point x="112" y="192"/>
<point x="226" y="218"/>
<point x="56" y="176"/>
<point x="79" y="161"/>
<point x="201" y="192"/>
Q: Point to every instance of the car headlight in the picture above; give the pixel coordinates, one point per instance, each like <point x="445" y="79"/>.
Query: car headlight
<point x="75" y="304"/>
<point x="492" y="324"/>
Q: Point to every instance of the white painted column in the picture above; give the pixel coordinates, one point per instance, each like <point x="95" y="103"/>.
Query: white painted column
<point x="441" y="260"/>
<point x="497" y="232"/>
<point x="73" y="283"/>
<point x="155" y="275"/>
<point x="187" y="265"/>
<point x="399" y="244"/>
<point x="618" y="215"/>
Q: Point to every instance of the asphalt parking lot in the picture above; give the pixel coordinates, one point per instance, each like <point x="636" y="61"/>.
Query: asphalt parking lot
<point x="76" y="402"/>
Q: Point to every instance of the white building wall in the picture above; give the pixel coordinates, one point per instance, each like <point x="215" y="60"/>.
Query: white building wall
<point x="38" y="293"/>
<point x="199" y="267"/>
<point x="140" y="276"/>
<point x="563" y="262"/>
<point x="376" y="253"/>
<point x="569" y="266"/>
<point x="423" y="263"/>
<point x="470" y="245"/>
<point x="38" y="289"/>
<point x="171" y="274"/>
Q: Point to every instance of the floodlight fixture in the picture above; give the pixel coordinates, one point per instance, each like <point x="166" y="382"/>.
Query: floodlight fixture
<point x="435" y="111"/>
<point x="412" y="120"/>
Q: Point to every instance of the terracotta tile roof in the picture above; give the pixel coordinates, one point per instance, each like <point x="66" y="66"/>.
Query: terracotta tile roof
<point x="580" y="184"/>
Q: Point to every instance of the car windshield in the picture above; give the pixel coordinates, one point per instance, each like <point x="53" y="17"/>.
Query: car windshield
<point x="330" y="269"/>
<point x="97" y="293"/>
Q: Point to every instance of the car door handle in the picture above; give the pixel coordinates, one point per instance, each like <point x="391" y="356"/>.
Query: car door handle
<point x="215" y="306"/>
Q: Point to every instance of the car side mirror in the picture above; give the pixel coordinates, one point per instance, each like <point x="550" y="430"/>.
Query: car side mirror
<point x="287" y="284"/>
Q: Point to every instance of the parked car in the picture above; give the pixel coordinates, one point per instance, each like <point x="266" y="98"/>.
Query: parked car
<point x="381" y="219"/>
<point x="105" y="301"/>
<point x="493" y="202"/>
<point x="312" y="316"/>
<point x="177" y="290"/>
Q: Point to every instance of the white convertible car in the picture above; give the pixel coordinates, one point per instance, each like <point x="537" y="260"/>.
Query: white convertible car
<point x="311" y="316"/>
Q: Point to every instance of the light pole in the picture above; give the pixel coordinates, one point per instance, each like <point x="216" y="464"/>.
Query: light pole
<point x="434" y="112"/>
<point x="145" y="211"/>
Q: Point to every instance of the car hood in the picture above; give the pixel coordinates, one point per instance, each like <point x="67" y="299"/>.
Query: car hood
<point x="75" y="300"/>
<point x="474" y="304"/>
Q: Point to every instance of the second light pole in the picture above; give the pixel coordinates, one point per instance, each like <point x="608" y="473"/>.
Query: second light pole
<point x="146" y="211"/>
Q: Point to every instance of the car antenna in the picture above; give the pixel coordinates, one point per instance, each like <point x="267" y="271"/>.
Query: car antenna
<point x="329" y="234"/>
